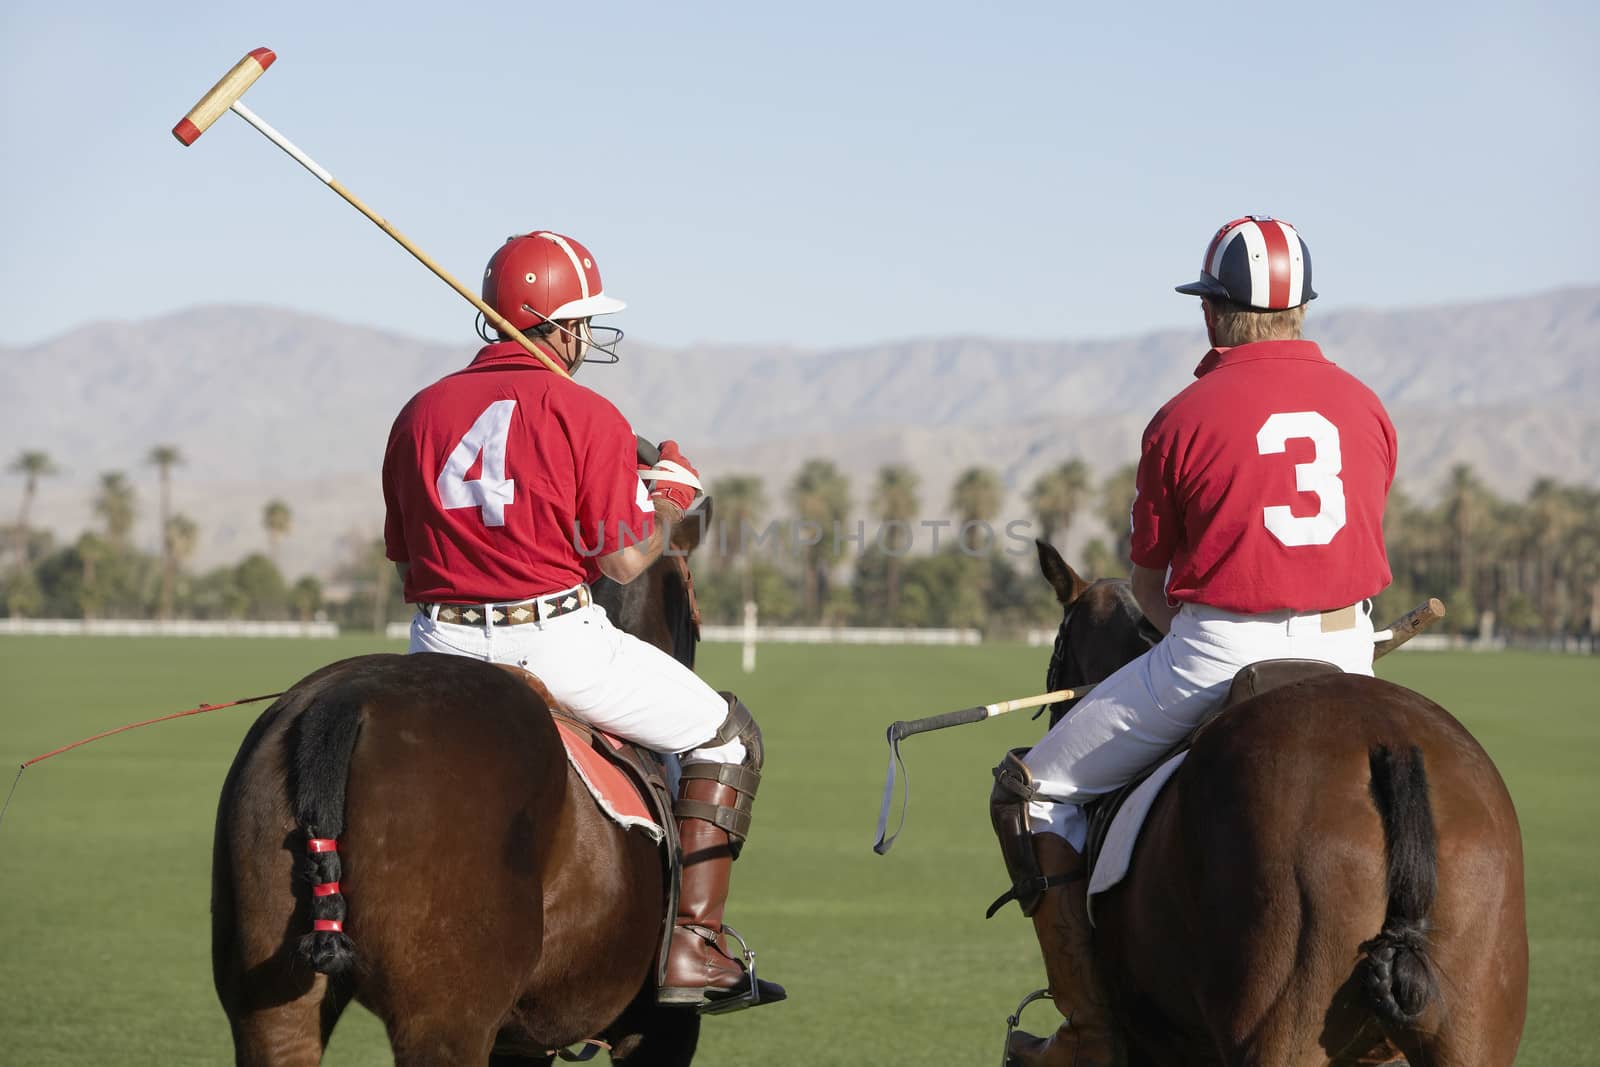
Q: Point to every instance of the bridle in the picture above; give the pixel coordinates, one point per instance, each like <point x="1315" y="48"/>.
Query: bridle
<point x="1062" y="656"/>
<point x="1059" y="655"/>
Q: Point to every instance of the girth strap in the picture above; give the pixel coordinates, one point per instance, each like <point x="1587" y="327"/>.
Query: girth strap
<point x="1033" y="886"/>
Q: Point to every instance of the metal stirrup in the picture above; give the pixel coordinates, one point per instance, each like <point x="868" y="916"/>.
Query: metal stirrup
<point x="1014" y="1020"/>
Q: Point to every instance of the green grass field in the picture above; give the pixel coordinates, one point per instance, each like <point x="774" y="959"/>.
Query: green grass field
<point x="105" y="853"/>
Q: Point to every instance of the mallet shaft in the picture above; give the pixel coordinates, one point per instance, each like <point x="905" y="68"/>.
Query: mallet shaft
<point x="495" y="318"/>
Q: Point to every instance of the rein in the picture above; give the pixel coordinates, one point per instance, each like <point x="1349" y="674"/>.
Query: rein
<point x="682" y="563"/>
<point x="198" y="710"/>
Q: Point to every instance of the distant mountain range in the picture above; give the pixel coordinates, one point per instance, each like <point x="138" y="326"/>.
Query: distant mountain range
<point x="265" y="402"/>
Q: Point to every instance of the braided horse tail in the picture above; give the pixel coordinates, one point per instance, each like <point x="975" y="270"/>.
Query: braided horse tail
<point x="1399" y="981"/>
<point x="324" y="738"/>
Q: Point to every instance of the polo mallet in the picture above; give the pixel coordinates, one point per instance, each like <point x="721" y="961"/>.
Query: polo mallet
<point x="225" y="96"/>
<point x="1398" y="633"/>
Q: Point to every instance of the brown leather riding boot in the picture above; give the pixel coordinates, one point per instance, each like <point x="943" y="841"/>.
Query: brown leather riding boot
<point x="713" y="812"/>
<point x="699" y="961"/>
<point x="1086" y="1037"/>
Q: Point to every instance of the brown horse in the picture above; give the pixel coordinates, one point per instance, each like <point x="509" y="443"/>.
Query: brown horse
<point x="491" y="913"/>
<point x="1333" y="876"/>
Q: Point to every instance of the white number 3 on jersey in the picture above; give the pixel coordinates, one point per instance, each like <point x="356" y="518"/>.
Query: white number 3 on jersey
<point x="491" y="491"/>
<point x="1319" y="476"/>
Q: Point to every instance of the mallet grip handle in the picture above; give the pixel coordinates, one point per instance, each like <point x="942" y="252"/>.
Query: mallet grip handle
<point x="223" y="94"/>
<point x="902" y="729"/>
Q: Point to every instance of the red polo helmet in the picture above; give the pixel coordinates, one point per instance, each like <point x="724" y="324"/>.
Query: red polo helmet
<point x="1256" y="262"/>
<point x="542" y="276"/>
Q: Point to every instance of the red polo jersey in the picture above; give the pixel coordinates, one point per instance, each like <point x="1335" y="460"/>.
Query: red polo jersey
<point x="505" y="481"/>
<point x="1262" y="485"/>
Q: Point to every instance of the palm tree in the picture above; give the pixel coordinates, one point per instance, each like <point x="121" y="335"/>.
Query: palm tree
<point x="895" y="502"/>
<point x="740" y="502"/>
<point x="183" y="534"/>
<point x="820" y="496"/>
<point x="182" y="538"/>
<point x="976" y="498"/>
<point x="1553" y="517"/>
<point x="32" y="466"/>
<point x="165" y="457"/>
<point x="1058" y="495"/>
<point x="91" y="550"/>
<point x="377" y="553"/>
<point x="1116" y="508"/>
<point x="278" y="521"/>
<point x="1466" y="505"/>
<point x="116" y="505"/>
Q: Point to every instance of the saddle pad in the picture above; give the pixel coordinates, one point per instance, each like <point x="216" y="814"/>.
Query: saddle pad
<point x="610" y="787"/>
<point x="1117" y="850"/>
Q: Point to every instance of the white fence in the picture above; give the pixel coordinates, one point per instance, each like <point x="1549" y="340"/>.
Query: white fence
<point x="842" y="635"/>
<point x="166" y="628"/>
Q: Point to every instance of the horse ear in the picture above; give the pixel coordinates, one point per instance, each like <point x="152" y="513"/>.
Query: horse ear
<point x="1062" y="578"/>
<point x="687" y="535"/>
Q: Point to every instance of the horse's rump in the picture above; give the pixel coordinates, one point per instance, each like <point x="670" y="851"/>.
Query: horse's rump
<point x="1342" y="844"/>
<point x="463" y="835"/>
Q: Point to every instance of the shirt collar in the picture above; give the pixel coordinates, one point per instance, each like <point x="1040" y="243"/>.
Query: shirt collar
<point x="501" y="352"/>
<point x="1227" y="357"/>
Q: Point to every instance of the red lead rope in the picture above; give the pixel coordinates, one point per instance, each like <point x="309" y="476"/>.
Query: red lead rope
<point x="201" y="710"/>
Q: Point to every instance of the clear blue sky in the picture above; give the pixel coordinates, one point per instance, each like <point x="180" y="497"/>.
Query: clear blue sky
<point x="816" y="173"/>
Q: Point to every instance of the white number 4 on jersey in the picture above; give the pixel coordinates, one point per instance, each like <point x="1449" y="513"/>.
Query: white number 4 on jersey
<point x="492" y="490"/>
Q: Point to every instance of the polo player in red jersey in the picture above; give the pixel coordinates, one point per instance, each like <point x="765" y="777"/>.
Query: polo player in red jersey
<point x="1257" y="534"/>
<point x="509" y="489"/>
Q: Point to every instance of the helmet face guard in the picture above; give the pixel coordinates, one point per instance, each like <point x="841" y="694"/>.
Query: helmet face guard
<point x="1256" y="262"/>
<point x="591" y="338"/>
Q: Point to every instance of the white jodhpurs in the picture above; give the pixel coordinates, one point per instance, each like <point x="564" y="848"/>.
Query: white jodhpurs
<point x="1149" y="705"/>
<point x="605" y="677"/>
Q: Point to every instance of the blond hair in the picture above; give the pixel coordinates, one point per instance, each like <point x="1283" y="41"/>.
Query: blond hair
<point x="1234" y="325"/>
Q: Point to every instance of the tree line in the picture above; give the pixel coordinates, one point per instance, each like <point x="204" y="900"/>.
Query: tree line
<point x="1527" y="567"/>
<point x="806" y="553"/>
<point x="102" y="574"/>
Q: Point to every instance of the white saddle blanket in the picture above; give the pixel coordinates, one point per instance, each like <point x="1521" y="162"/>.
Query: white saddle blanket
<point x="1117" y="851"/>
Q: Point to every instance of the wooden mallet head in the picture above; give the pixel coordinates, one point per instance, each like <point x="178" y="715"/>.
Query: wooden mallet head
<point x="222" y="95"/>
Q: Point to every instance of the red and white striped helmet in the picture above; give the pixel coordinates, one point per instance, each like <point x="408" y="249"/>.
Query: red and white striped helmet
<point x="539" y="276"/>
<point x="1256" y="262"/>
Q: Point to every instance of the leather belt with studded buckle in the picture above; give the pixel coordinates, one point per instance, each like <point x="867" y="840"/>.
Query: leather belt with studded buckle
<point x="539" y="609"/>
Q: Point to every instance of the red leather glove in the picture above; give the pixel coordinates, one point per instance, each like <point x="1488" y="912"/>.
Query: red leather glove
<point x="673" y="477"/>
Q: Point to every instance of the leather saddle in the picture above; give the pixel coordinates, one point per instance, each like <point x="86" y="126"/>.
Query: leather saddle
<point x="1251" y="681"/>
<point x="645" y="772"/>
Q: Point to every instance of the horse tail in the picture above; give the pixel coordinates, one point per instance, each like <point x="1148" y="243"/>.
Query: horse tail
<point x="1399" y="980"/>
<point x="323" y="742"/>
